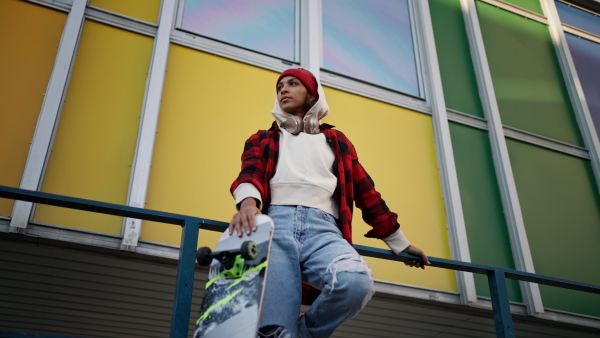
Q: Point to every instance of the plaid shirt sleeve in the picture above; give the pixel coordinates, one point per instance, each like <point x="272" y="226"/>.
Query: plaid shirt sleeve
<point x="259" y="161"/>
<point x="375" y="211"/>
<point x="253" y="167"/>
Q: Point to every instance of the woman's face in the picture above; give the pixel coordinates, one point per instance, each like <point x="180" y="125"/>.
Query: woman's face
<point x="291" y="95"/>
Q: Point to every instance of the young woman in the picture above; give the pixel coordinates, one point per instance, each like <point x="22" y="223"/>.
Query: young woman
<point x="306" y="176"/>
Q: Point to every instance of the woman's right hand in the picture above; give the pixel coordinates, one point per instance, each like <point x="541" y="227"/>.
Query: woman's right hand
<point x="245" y="219"/>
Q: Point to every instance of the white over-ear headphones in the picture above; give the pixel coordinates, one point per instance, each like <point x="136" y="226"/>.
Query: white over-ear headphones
<point x="294" y="125"/>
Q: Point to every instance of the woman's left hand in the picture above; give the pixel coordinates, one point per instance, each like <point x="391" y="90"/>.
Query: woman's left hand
<point x="413" y="250"/>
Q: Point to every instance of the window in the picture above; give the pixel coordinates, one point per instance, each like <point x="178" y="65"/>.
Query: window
<point x="586" y="56"/>
<point x="585" y="51"/>
<point x="371" y="41"/>
<point x="265" y="26"/>
<point x="579" y="18"/>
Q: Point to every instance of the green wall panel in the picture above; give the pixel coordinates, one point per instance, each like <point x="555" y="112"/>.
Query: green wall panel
<point x="532" y="5"/>
<point x="484" y="218"/>
<point x="456" y="67"/>
<point x="527" y="79"/>
<point x="561" y="211"/>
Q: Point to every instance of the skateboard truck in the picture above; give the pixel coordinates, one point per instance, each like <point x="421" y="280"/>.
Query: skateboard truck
<point x="232" y="260"/>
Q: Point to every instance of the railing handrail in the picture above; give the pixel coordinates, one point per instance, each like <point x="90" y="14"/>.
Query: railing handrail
<point x="482" y="269"/>
<point x="186" y="266"/>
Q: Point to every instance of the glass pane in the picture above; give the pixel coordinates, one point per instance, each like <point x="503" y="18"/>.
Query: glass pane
<point x="458" y="74"/>
<point x="145" y="10"/>
<point x="561" y="210"/>
<point x="99" y="122"/>
<point x="532" y="5"/>
<point x="487" y="233"/>
<point x="579" y="18"/>
<point x="266" y="26"/>
<point x="25" y="66"/>
<point x="370" y="41"/>
<point x="586" y="56"/>
<point x="528" y="82"/>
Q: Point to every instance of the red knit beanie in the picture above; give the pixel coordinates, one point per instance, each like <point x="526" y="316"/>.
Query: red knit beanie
<point x="306" y="77"/>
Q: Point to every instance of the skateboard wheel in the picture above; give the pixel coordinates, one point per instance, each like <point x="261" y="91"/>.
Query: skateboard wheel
<point x="202" y="256"/>
<point x="249" y="250"/>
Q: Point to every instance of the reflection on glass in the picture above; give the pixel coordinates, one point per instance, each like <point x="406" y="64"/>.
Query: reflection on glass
<point x="578" y="18"/>
<point x="370" y="41"/>
<point x="586" y="55"/>
<point x="266" y="26"/>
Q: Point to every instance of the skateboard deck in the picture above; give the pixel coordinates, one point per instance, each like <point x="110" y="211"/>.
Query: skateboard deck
<point x="236" y="280"/>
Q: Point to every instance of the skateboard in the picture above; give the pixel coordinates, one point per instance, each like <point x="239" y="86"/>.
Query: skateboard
<point x="236" y="281"/>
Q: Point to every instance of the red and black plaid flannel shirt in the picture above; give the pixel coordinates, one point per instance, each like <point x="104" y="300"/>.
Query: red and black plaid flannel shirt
<point x="259" y="162"/>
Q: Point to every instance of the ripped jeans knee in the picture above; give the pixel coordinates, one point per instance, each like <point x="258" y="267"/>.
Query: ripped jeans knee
<point x="347" y="288"/>
<point x="352" y="277"/>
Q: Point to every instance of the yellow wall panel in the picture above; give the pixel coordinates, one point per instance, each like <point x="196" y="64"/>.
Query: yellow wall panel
<point x="145" y="10"/>
<point x="26" y="61"/>
<point x="396" y="148"/>
<point x="95" y="141"/>
<point x="211" y="105"/>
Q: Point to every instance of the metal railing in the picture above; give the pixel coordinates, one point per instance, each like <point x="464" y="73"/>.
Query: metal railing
<point x="187" y="257"/>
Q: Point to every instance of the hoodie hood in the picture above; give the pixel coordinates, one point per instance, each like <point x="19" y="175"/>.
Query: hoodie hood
<point x="318" y="111"/>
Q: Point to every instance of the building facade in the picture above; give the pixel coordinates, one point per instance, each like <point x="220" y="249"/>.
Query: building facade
<point x="478" y="120"/>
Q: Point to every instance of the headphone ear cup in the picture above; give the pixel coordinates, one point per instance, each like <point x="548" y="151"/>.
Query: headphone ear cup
<point x="293" y="125"/>
<point x="311" y="126"/>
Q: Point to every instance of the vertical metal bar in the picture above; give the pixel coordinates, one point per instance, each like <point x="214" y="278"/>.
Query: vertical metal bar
<point x="140" y="173"/>
<point x="184" y="286"/>
<point x="500" y="304"/>
<point x="49" y="114"/>
<point x="298" y="14"/>
<point x="311" y="36"/>
<point x="445" y="156"/>
<point x="506" y="181"/>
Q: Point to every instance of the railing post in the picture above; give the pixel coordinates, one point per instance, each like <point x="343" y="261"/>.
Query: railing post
<point x="180" y="318"/>
<point x="500" y="304"/>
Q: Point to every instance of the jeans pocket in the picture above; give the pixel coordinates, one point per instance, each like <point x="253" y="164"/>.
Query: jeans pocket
<point x="327" y="216"/>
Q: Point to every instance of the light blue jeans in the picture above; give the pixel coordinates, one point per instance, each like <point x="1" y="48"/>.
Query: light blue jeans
<point x="308" y="247"/>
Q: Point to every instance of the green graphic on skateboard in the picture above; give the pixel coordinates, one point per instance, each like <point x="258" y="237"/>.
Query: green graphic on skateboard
<point x="236" y="280"/>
